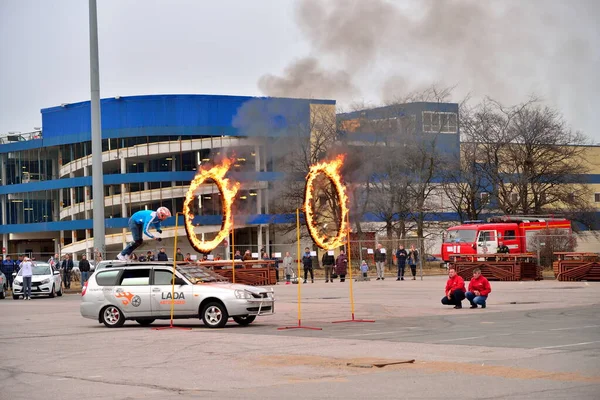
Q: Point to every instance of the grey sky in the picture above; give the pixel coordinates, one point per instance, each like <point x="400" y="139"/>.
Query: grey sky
<point x="359" y="51"/>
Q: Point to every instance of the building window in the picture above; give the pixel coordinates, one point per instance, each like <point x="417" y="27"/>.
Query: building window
<point x="440" y="122"/>
<point x="597" y="197"/>
<point x="485" y="197"/>
<point x="514" y="197"/>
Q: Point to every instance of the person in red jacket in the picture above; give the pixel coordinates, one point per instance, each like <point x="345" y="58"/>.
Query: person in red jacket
<point x="455" y="290"/>
<point x="479" y="289"/>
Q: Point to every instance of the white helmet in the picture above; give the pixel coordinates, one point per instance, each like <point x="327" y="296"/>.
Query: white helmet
<point x="163" y="213"/>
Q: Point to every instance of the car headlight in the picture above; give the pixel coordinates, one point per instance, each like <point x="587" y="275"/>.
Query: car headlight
<point x="47" y="280"/>
<point x="242" y="294"/>
<point x="17" y="282"/>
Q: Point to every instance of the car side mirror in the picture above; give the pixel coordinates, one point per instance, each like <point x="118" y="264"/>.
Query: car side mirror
<point x="56" y="272"/>
<point x="14" y="274"/>
<point x="179" y="281"/>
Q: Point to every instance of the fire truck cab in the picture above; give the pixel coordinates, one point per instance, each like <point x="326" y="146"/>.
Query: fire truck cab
<point x="515" y="232"/>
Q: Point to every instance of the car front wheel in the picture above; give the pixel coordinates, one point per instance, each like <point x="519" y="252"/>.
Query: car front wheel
<point x="3" y="292"/>
<point x="53" y="292"/>
<point x="245" y="320"/>
<point x="112" y="317"/>
<point x="215" y="315"/>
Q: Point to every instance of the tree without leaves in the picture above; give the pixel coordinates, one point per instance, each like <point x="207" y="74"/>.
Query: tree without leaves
<point x="464" y="181"/>
<point x="532" y="160"/>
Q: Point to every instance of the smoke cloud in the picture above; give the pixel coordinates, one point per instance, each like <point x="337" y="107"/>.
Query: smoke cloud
<point x="380" y="51"/>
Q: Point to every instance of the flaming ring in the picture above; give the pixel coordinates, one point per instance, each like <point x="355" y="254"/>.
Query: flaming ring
<point x="228" y="193"/>
<point x="331" y="171"/>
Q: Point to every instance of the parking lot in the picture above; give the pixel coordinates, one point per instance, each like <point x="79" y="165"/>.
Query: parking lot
<point x="535" y="339"/>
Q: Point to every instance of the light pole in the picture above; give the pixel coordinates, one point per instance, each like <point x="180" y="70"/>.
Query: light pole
<point x="97" y="172"/>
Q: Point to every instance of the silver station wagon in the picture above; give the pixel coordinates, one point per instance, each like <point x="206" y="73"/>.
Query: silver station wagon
<point x="143" y="292"/>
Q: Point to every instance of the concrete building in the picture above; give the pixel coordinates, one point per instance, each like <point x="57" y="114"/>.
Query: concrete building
<point x="152" y="147"/>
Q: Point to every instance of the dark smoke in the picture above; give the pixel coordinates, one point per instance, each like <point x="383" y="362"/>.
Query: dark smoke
<point x="306" y="78"/>
<point x="506" y="49"/>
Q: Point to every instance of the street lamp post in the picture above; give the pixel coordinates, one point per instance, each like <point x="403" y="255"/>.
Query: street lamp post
<point x="97" y="172"/>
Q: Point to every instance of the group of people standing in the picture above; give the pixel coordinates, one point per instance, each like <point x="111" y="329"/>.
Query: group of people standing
<point x="335" y="267"/>
<point x="66" y="265"/>
<point x="402" y="258"/>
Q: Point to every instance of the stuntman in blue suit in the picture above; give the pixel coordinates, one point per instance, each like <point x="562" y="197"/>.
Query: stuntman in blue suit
<point x="139" y="223"/>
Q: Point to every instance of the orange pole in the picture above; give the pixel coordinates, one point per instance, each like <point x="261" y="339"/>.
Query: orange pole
<point x="298" y="245"/>
<point x="232" y="248"/>
<point x="350" y="270"/>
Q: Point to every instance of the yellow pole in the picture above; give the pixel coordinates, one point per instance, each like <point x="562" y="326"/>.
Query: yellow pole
<point x="174" y="265"/>
<point x="350" y="270"/>
<point x="299" y="289"/>
<point x="232" y="249"/>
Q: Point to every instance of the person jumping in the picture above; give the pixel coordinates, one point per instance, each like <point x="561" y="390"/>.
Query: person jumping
<point x="139" y="224"/>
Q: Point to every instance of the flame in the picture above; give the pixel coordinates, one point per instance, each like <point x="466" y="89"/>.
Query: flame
<point x="228" y="192"/>
<point x="331" y="169"/>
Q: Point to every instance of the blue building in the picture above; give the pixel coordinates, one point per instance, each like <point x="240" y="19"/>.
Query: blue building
<point x="419" y="121"/>
<point x="151" y="149"/>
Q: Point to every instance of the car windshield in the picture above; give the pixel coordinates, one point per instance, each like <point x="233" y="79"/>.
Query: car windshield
<point x="39" y="269"/>
<point x="198" y="274"/>
<point x="460" y="235"/>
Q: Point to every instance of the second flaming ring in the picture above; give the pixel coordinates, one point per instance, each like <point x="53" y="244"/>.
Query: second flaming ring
<point x="331" y="169"/>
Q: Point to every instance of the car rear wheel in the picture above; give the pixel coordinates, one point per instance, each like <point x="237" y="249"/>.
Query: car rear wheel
<point x="245" y="320"/>
<point x="112" y="317"/>
<point x="215" y="315"/>
<point x="53" y="292"/>
<point x="144" y="322"/>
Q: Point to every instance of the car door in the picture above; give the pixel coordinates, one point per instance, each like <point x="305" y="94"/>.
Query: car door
<point x="132" y="292"/>
<point x="486" y="242"/>
<point x="162" y="294"/>
<point x="57" y="279"/>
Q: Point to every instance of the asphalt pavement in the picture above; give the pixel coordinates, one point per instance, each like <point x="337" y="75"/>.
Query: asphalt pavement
<point x="535" y="339"/>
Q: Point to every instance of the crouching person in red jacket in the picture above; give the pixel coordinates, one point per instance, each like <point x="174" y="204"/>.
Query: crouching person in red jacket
<point x="455" y="290"/>
<point x="479" y="289"/>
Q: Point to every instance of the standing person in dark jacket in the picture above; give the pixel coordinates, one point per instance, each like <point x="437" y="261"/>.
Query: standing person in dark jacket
<point x="67" y="267"/>
<point x="341" y="265"/>
<point x="401" y="255"/>
<point x="84" y="268"/>
<point x="380" y="258"/>
<point x="328" y="262"/>
<point x="413" y="259"/>
<point x="307" y="262"/>
<point x="8" y="267"/>
<point x="179" y="255"/>
<point x="276" y="265"/>
<point x="162" y="256"/>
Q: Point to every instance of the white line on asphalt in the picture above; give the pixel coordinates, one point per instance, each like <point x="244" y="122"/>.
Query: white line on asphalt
<point x="567" y="345"/>
<point x="574" y="328"/>
<point x="96" y="376"/>
<point x="374" y="333"/>
<point x="456" y="340"/>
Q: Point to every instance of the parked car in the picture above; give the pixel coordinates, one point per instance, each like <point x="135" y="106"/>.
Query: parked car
<point x="44" y="282"/>
<point x="432" y="258"/>
<point x="143" y="292"/>
<point x="4" y="285"/>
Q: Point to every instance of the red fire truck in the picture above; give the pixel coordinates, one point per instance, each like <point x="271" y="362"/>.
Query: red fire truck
<point x="515" y="232"/>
